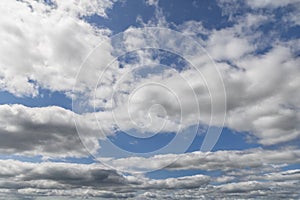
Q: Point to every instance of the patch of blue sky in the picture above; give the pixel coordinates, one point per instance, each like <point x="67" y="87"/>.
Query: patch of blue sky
<point x="165" y="173"/>
<point x="173" y="60"/>
<point x="45" y="98"/>
<point x="128" y="58"/>
<point x="32" y="159"/>
<point x="50" y="2"/>
<point x="206" y="11"/>
<point x="141" y="145"/>
<point x="291" y="167"/>
<point x="292" y="143"/>
<point x="38" y="159"/>
<point x="146" y="144"/>
<point x="290" y="33"/>
<point x="277" y="25"/>
<point x="123" y="15"/>
<point x="233" y="140"/>
<point x="164" y="58"/>
<point x="228" y="140"/>
<point x="271" y="28"/>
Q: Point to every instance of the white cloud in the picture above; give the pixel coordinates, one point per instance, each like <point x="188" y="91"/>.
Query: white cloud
<point x="270" y="3"/>
<point x="43" y="46"/>
<point x="220" y="160"/>
<point x="195" y="181"/>
<point x="224" y="45"/>
<point x="254" y="103"/>
<point x="54" y="51"/>
<point x="266" y="102"/>
<point x="85" y="8"/>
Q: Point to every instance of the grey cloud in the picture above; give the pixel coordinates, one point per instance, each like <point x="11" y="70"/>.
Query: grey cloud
<point x="67" y="180"/>
<point x="188" y="182"/>
<point x="219" y="160"/>
<point x="64" y="179"/>
<point x="48" y="131"/>
<point x="239" y="190"/>
<point x="16" y="174"/>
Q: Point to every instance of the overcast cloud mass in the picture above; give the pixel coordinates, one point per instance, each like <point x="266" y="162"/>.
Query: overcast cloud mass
<point x="151" y="99"/>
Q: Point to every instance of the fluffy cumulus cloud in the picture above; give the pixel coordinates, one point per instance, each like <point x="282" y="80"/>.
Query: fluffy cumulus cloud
<point x="263" y="104"/>
<point x="56" y="50"/>
<point x="43" y="45"/>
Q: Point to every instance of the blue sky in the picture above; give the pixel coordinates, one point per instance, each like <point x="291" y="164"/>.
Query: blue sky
<point x="116" y="99"/>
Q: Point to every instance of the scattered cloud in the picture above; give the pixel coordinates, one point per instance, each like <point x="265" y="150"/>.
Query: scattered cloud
<point x="43" y="45"/>
<point x="246" y="69"/>
<point x="220" y="160"/>
<point x="94" y="180"/>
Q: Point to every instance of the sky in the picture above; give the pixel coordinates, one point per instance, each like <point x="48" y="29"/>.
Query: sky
<point x="149" y="99"/>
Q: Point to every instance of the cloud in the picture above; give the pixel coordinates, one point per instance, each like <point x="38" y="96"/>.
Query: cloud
<point x="262" y="103"/>
<point x="271" y="4"/>
<point x="60" y="179"/>
<point x="47" y="131"/>
<point x="55" y="50"/>
<point x="43" y="46"/>
<point x="246" y="174"/>
<point x="228" y="46"/>
<point x="266" y="108"/>
<point x="83" y="8"/>
<point x="245" y="189"/>
<point x="220" y="160"/>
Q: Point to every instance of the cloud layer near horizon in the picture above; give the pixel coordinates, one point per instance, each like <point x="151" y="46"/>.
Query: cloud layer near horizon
<point x="262" y="178"/>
